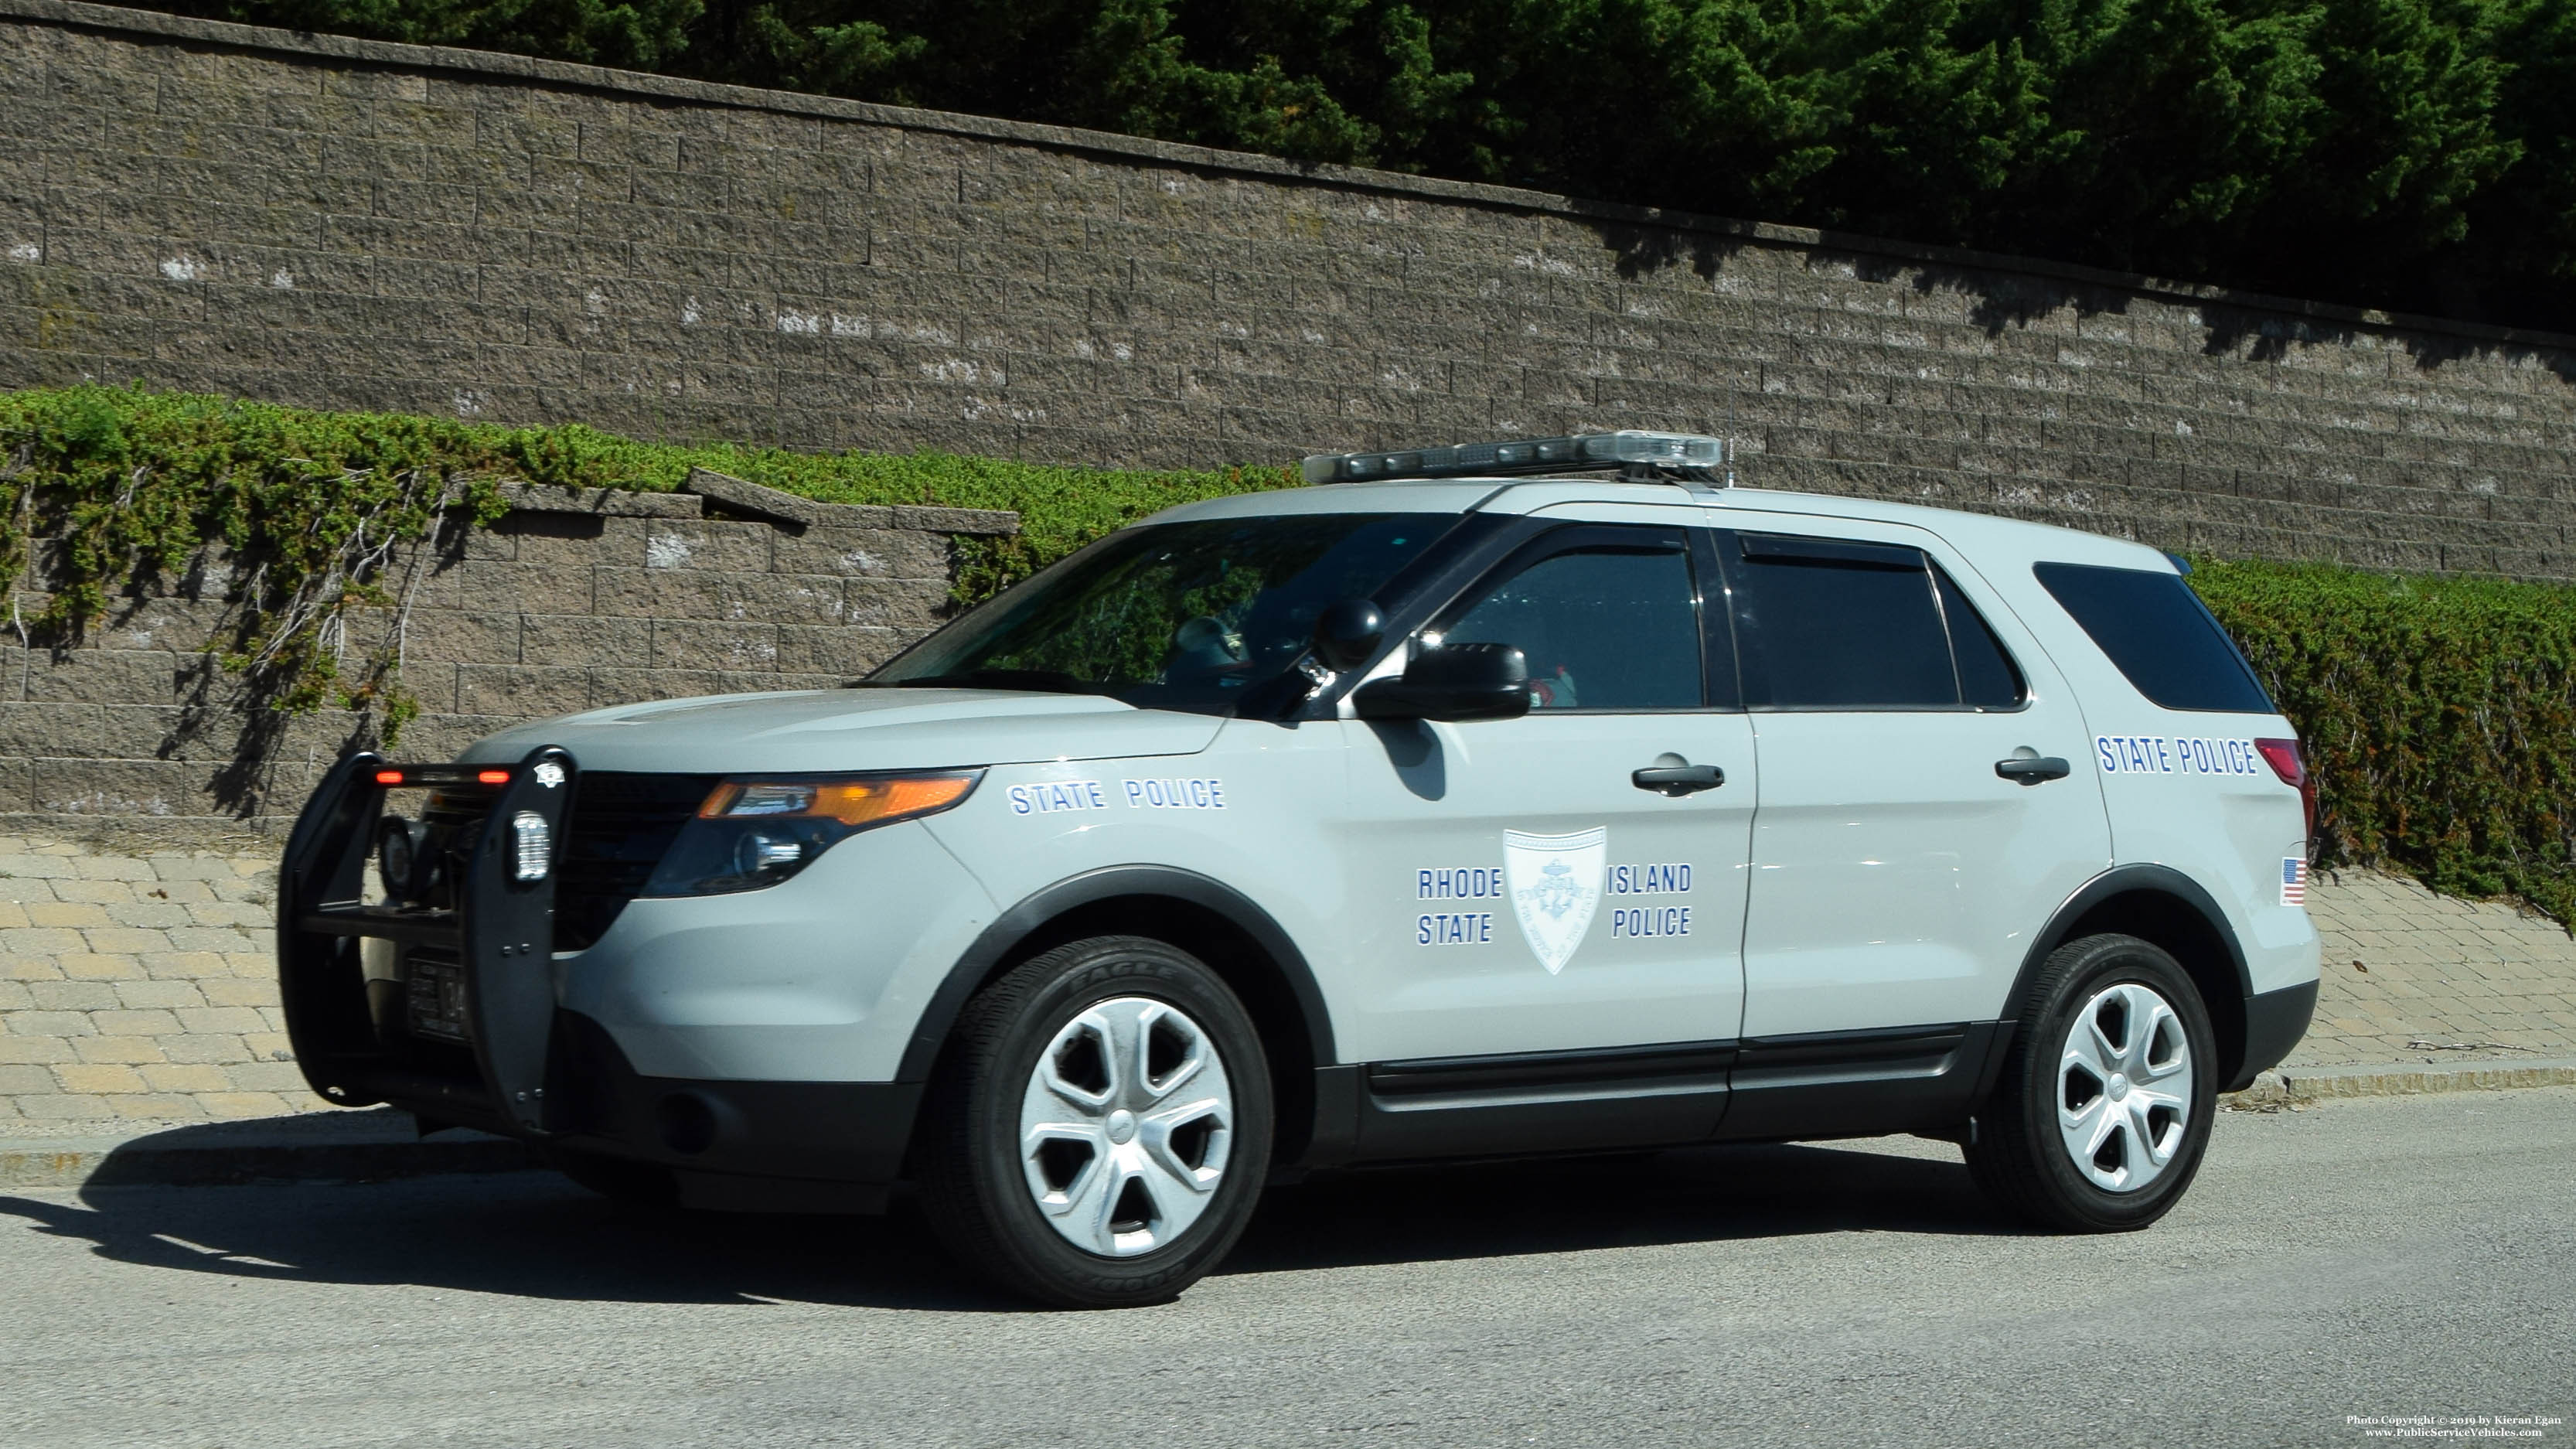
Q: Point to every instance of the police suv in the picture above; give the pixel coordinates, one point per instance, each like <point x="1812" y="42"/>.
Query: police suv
<point x="1459" y="806"/>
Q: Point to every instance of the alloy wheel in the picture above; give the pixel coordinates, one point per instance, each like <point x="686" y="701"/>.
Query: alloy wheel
<point x="1126" y="1126"/>
<point x="2124" y="1087"/>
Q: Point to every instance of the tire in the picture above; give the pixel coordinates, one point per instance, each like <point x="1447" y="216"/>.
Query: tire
<point x="1097" y="1131"/>
<point x="636" y="1184"/>
<point x="2070" y="1141"/>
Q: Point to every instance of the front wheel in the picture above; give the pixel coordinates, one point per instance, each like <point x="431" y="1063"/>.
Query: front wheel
<point x="1098" y="1130"/>
<point x="2104" y="1107"/>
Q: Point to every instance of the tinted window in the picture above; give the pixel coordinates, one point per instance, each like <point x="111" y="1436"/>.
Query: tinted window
<point x="1610" y="626"/>
<point x="1987" y="677"/>
<point x="1824" y="624"/>
<point x="1176" y="616"/>
<point x="1841" y="624"/>
<point x="2156" y="629"/>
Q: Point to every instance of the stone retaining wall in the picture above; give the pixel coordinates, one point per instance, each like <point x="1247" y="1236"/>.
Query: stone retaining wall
<point x="341" y="223"/>
<point x="571" y="601"/>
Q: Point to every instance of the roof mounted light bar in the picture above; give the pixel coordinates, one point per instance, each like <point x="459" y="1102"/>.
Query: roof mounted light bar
<point x="1682" y="457"/>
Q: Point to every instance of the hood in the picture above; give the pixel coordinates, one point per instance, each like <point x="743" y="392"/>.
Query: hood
<point x="854" y="729"/>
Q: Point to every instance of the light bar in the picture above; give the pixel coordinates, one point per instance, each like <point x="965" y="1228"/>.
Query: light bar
<point x="1684" y="455"/>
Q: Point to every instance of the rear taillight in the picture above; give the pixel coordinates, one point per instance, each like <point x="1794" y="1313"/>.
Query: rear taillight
<point x="2287" y="763"/>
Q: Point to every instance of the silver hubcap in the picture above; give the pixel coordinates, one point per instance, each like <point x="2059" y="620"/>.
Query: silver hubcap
<point x="1125" y="1126"/>
<point x="2124" y="1088"/>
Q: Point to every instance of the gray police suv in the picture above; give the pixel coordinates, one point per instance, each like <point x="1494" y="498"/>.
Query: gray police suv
<point x="1459" y="805"/>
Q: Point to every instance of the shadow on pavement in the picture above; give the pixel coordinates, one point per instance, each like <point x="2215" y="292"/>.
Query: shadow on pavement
<point x="533" y="1234"/>
<point x="1695" y="1195"/>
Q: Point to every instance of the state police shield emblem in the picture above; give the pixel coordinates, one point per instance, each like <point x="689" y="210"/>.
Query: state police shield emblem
<point x="1555" y="881"/>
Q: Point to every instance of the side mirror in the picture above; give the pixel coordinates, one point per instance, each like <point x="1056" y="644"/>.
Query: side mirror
<point x="1453" y="682"/>
<point x="1347" y="633"/>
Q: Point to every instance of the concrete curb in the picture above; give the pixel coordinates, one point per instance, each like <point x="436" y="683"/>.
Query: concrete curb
<point x="2301" y="1086"/>
<point x="233" y="1154"/>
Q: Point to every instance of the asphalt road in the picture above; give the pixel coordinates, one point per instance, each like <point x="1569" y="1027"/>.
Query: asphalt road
<point x="2376" y="1258"/>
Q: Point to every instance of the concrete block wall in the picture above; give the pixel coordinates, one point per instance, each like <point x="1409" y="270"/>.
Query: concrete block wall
<point x="340" y="223"/>
<point x="570" y="601"/>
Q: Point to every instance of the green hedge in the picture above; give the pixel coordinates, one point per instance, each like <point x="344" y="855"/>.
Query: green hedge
<point x="2439" y="714"/>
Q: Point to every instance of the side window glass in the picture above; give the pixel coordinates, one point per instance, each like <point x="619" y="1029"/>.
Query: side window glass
<point x="2160" y="634"/>
<point x="1606" y="626"/>
<point x="1988" y="678"/>
<point x="1827" y="623"/>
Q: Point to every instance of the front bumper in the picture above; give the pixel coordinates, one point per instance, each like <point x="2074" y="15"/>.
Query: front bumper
<point x="757" y="1146"/>
<point x="511" y="1053"/>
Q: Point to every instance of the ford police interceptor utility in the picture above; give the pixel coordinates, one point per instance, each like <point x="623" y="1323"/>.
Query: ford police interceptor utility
<point x="1459" y="806"/>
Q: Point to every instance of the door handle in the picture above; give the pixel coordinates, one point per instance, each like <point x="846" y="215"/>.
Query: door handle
<point x="1677" y="780"/>
<point x="2031" y="769"/>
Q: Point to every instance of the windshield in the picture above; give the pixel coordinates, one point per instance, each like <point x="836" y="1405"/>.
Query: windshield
<point x="1174" y="616"/>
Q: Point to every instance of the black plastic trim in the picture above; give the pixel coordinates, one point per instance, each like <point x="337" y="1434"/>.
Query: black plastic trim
<point x="2274" y="1023"/>
<point x="814" y="1132"/>
<point x="1858" y="1083"/>
<point x="1529" y="1103"/>
<point x="1612" y="1072"/>
<point x="2227" y="1016"/>
<point x="1901" y="557"/>
<point x="2117" y="881"/>
<point x="1109" y="883"/>
<point x="1533" y="1104"/>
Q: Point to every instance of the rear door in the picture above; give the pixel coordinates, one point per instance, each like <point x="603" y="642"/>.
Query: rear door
<point x="1903" y="852"/>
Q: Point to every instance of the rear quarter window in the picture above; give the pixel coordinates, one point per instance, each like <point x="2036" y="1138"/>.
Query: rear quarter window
<point x="2160" y="635"/>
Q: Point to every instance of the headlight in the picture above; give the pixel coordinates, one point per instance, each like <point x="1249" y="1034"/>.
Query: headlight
<point x="758" y="831"/>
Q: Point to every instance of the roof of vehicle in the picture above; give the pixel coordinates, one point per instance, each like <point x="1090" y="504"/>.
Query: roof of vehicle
<point x="1977" y="533"/>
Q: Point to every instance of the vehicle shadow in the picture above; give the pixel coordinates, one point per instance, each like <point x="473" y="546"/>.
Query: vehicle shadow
<point x="532" y="1234"/>
<point x="1691" y="1195"/>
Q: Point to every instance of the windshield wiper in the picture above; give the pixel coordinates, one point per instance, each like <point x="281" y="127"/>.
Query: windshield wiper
<point x="1038" y="681"/>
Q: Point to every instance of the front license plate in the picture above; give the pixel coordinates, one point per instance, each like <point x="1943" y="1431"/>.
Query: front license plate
<point x="436" y="998"/>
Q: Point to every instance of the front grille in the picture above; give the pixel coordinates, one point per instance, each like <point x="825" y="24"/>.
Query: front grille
<point x="621" y="826"/>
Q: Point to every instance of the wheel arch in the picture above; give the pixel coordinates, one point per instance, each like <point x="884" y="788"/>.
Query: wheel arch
<point x="1206" y="917"/>
<point x="2160" y="905"/>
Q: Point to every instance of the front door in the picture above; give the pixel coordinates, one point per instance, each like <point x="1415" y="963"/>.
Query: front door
<point x="1898" y="873"/>
<point x="1514" y="888"/>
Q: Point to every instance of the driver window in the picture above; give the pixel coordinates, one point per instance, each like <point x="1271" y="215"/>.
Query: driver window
<point x="1608" y="626"/>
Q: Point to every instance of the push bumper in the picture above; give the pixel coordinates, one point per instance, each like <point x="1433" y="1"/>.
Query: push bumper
<point x="451" y="1011"/>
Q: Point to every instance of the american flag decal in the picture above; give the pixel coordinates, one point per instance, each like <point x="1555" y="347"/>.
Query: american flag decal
<point x="2294" y="881"/>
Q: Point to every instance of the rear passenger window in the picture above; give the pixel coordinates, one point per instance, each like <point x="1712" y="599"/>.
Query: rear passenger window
<point x="2160" y="634"/>
<point x="1840" y="624"/>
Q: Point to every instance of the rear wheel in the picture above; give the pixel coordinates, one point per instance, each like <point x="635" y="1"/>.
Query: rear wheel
<point x="2103" y="1110"/>
<point x="1098" y="1130"/>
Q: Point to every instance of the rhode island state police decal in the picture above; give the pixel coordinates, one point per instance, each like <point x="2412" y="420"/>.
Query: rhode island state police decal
<point x="1555" y="882"/>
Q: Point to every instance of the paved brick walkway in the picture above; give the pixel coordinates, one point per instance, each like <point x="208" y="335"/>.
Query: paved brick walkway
<point x="142" y="987"/>
<point x="139" y="987"/>
<point x="2405" y="968"/>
